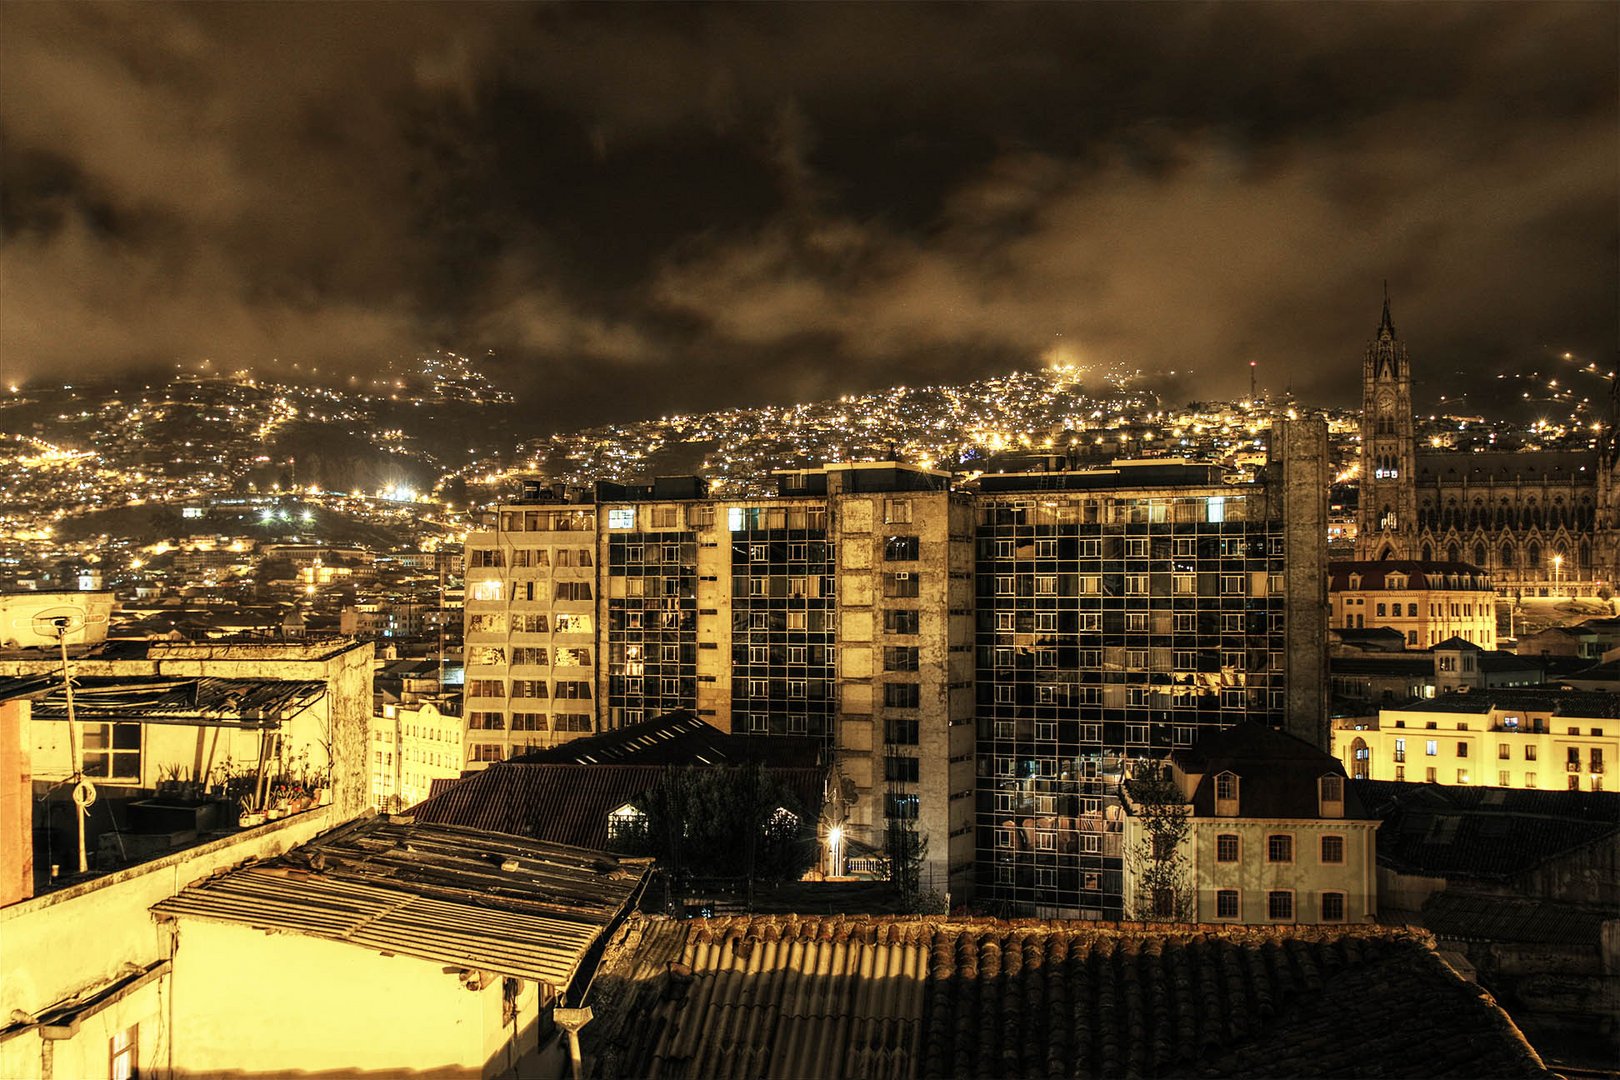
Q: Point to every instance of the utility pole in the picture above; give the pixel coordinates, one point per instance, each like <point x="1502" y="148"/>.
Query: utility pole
<point x="84" y="792"/>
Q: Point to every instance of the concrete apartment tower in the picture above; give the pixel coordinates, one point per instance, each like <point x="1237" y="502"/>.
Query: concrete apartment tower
<point x="981" y="662"/>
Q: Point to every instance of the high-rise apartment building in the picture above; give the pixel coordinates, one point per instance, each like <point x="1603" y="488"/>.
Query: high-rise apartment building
<point x="982" y="658"/>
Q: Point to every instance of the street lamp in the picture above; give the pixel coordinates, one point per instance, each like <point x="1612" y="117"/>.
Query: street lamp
<point x="1558" y="567"/>
<point x="835" y="843"/>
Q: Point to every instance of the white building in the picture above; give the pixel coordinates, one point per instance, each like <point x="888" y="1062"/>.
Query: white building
<point x="1275" y="836"/>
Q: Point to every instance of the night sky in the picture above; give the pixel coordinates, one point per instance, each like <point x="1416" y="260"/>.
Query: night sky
<point x="648" y="209"/>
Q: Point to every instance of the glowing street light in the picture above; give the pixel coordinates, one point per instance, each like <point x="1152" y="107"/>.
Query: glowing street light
<point x="835" y="845"/>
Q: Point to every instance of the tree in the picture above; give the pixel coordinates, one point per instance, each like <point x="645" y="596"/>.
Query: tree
<point x="1158" y="862"/>
<point x="731" y="822"/>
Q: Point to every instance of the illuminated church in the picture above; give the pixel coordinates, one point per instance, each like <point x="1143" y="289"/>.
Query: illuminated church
<point x="1542" y="523"/>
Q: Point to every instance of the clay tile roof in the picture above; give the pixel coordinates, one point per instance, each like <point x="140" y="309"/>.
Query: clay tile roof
<point x="804" y="997"/>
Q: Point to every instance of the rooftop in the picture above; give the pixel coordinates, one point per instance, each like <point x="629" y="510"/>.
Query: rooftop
<point x="1479" y="832"/>
<point x="904" y="996"/>
<point x="197" y="701"/>
<point x="1573" y="703"/>
<point x="679" y="738"/>
<point x="565" y="803"/>
<point x="1419" y="574"/>
<point x="475" y="899"/>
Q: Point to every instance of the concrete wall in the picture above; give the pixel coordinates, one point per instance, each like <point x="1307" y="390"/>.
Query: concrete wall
<point x="249" y="1003"/>
<point x="1301" y="467"/>
<point x="16" y="804"/>
<point x="73" y="941"/>
<point x="1306" y="876"/>
<point x="83" y="1048"/>
<point x="339" y="720"/>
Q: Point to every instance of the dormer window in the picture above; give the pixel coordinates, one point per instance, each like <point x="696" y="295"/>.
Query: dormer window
<point x="628" y="822"/>
<point x="1226" y="794"/>
<point x="1355" y="581"/>
<point x="1330" y="795"/>
<point x="1395" y="581"/>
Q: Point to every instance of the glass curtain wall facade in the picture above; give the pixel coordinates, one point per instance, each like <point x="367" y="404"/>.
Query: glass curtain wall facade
<point x="783" y="621"/>
<point x="1110" y="627"/>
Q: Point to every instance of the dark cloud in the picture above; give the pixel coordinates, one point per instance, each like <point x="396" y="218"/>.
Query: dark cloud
<point x="649" y="207"/>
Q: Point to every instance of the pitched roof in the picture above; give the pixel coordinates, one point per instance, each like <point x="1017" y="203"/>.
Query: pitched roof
<point x="1507" y="465"/>
<point x="1482" y="833"/>
<point x="1278" y="772"/>
<point x="475" y="899"/>
<point x="1419" y="574"/>
<point x="798" y="996"/>
<point x="1466" y="916"/>
<point x="567" y="804"/>
<point x="678" y="738"/>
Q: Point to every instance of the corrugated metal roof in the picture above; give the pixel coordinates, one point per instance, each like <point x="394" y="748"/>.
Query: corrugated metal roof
<point x="433" y="892"/>
<point x="568" y="804"/>
<point x="796" y="996"/>
<point x="245" y="702"/>
<point x="680" y="738"/>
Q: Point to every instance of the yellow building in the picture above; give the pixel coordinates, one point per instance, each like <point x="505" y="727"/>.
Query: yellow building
<point x="174" y="740"/>
<point x="1428" y="602"/>
<point x="389" y="947"/>
<point x="1533" y="739"/>
<point x="412" y="746"/>
<point x="1275" y="836"/>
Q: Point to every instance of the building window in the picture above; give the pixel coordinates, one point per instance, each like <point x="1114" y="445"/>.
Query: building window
<point x="902" y="695"/>
<point x="1280" y="848"/>
<point x="902" y="584"/>
<point x="1226" y="904"/>
<point x="628" y="822"/>
<point x="1431" y="747"/>
<point x="1280" y="905"/>
<point x="112" y="751"/>
<point x="1333" y="907"/>
<point x="900" y="658"/>
<point x="900" y="807"/>
<point x="1333" y="849"/>
<point x="903" y="770"/>
<point x="900" y="549"/>
<point x="1227" y="847"/>
<point x="897" y="512"/>
<point x="124" y="1054"/>
<point x="900" y="732"/>
<point x="905" y="621"/>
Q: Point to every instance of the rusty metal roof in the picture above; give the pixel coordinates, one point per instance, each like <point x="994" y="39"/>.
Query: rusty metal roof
<point x="464" y="897"/>
<point x="569" y="804"/>
<point x="900" y="997"/>
<point x="167" y="699"/>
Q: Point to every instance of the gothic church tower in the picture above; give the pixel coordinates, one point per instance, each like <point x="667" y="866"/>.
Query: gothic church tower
<point x="1387" y="525"/>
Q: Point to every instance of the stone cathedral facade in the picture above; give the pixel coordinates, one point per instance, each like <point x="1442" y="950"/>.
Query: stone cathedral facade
<point x="1542" y="523"/>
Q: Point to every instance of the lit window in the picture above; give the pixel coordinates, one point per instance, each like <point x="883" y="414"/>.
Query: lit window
<point x="622" y="518"/>
<point x="123" y="1053"/>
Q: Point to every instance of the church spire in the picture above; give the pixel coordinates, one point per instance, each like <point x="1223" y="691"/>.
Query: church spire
<point x="1386" y="325"/>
